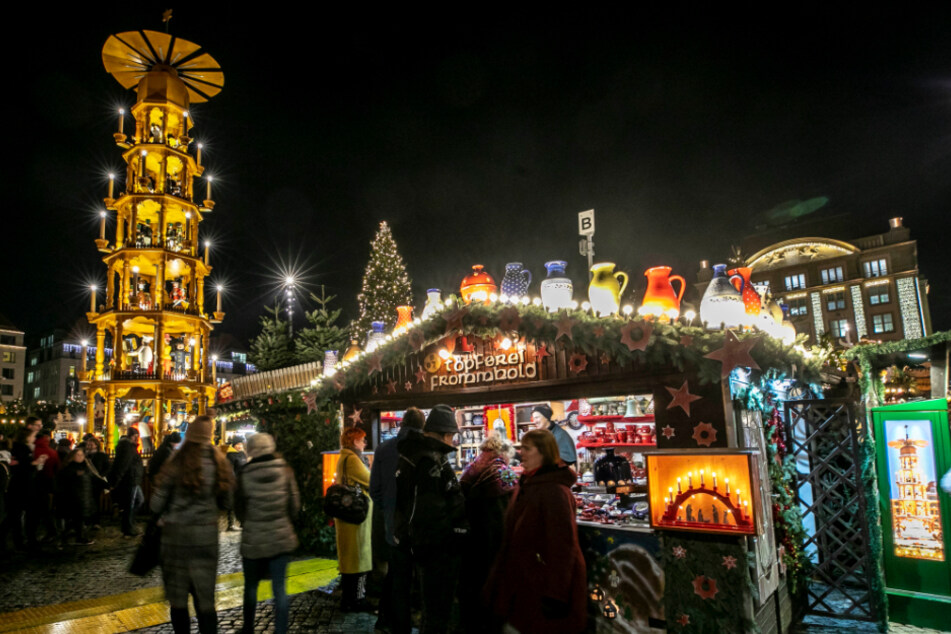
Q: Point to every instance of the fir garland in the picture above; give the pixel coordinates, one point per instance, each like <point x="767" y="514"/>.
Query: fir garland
<point x="868" y="356"/>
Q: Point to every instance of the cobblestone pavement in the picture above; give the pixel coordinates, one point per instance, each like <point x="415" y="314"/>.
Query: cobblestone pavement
<point x="50" y="575"/>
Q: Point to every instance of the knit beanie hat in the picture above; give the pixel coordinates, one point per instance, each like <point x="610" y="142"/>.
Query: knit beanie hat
<point x="260" y="445"/>
<point x="441" y="420"/>
<point x="544" y="410"/>
<point x="200" y="430"/>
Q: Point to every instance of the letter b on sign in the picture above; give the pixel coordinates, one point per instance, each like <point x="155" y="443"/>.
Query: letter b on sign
<point x="586" y="223"/>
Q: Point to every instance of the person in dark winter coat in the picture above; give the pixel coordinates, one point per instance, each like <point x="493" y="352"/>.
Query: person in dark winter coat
<point x="23" y="472"/>
<point x="162" y="454"/>
<point x="538" y="582"/>
<point x="43" y="489"/>
<point x="63" y="447"/>
<point x="430" y="520"/>
<point x="394" y="610"/>
<point x="5" y="459"/>
<point x="238" y="459"/>
<point x="126" y="480"/>
<point x="191" y="487"/>
<point x="541" y="416"/>
<point x="488" y="484"/>
<point x="266" y="503"/>
<point x="99" y="466"/>
<point x="74" y="497"/>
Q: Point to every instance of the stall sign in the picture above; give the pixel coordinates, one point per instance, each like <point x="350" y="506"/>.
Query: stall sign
<point x="468" y="370"/>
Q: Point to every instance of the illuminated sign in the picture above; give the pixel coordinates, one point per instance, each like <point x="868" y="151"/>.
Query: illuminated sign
<point x="467" y="370"/>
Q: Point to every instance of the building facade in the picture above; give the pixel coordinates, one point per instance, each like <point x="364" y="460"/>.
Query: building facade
<point x="12" y="361"/>
<point x="54" y="367"/>
<point x="867" y="288"/>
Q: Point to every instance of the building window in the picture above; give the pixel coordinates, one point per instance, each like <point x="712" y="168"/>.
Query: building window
<point x="8" y="340"/>
<point x="794" y="282"/>
<point x="7" y="373"/>
<point x="29" y="377"/>
<point x="882" y="323"/>
<point x="798" y="306"/>
<point x="875" y="268"/>
<point x="33" y="361"/>
<point x="6" y="390"/>
<point x="36" y="392"/>
<point x="838" y="327"/>
<point x="835" y="301"/>
<point x="879" y="296"/>
<point x="239" y="357"/>
<point x="9" y="357"/>
<point x="832" y="275"/>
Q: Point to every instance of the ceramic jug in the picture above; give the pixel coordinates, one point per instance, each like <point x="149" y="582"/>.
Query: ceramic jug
<point x="606" y="288"/>
<point x="433" y="303"/>
<point x="722" y="304"/>
<point x="516" y="280"/>
<point x="477" y="286"/>
<point x="404" y="317"/>
<point x="556" y="288"/>
<point x="375" y="337"/>
<point x="330" y="362"/>
<point x="752" y="302"/>
<point x="352" y="351"/>
<point x="659" y="298"/>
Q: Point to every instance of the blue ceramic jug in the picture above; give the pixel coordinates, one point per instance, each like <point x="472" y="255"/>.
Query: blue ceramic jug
<point x="516" y="280"/>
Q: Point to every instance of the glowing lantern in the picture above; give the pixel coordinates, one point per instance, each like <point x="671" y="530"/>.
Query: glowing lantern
<point x="659" y="298"/>
<point x="597" y="594"/>
<point x="609" y="610"/>
<point x="477" y="286"/>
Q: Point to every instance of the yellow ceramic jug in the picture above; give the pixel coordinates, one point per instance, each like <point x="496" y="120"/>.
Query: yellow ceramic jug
<point x="606" y="289"/>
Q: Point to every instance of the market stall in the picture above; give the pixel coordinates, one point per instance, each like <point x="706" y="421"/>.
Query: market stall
<point x="632" y="392"/>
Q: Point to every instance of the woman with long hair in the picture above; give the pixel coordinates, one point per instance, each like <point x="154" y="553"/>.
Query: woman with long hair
<point x="192" y="486"/>
<point x="354" y="549"/>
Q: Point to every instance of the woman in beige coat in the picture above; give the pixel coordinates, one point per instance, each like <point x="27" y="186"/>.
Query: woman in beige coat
<point x="354" y="553"/>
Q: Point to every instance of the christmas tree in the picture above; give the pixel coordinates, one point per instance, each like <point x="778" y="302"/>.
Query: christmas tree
<point x="322" y="334"/>
<point x="272" y="348"/>
<point x="386" y="284"/>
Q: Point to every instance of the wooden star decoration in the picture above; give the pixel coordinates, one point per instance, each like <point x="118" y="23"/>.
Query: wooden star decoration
<point x="635" y="335"/>
<point x="668" y="432"/>
<point x="679" y="552"/>
<point x="454" y="319"/>
<point x="684" y="620"/>
<point x="682" y="398"/>
<point x="339" y="384"/>
<point x="420" y="375"/>
<point x="416" y="339"/>
<point x="705" y="587"/>
<point x="409" y="386"/>
<point x="734" y="353"/>
<point x="704" y="434"/>
<point x="509" y="319"/>
<point x="729" y="562"/>
<point x="374" y="363"/>
<point x="686" y="340"/>
<point x="355" y="416"/>
<point x="541" y="352"/>
<point x="564" y="325"/>
<point x="391" y="387"/>
<point x="598" y="331"/>
<point x="578" y="363"/>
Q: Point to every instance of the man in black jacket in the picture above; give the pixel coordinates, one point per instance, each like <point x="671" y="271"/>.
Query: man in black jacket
<point x="430" y="521"/>
<point x="126" y="480"/>
<point x="162" y="454"/>
<point x="238" y="458"/>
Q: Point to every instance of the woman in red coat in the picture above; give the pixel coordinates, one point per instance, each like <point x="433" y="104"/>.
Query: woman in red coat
<point x="538" y="582"/>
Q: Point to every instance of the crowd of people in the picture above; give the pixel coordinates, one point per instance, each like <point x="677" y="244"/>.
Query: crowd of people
<point x="504" y="546"/>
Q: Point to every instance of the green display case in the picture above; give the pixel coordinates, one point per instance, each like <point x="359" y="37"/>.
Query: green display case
<point x="914" y="452"/>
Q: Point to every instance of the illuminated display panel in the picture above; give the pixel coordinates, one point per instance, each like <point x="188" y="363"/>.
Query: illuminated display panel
<point x="913" y="487"/>
<point x="701" y="492"/>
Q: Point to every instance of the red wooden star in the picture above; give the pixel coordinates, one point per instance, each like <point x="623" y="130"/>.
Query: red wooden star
<point x="635" y="335"/>
<point x="541" y="352"/>
<point x="454" y="319"/>
<point x="705" y="434"/>
<point x="682" y="398"/>
<point x="668" y="432"/>
<point x="420" y="375"/>
<point x="391" y="387"/>
<point x="684" y="620"/>
<point x="686" y="340"/>
<point x="409" y="386"/>
<point x="734" y="353"/>
<point x="374" y="363"/>
<point x="705" y="587"/>
<point x="729" y="562"/>
<point x="578" y="363"/>
<point x="564" y="325"/>
<point x="355" y="416"/>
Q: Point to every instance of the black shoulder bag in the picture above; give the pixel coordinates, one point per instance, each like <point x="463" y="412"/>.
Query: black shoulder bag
<point x="346" y="503"/>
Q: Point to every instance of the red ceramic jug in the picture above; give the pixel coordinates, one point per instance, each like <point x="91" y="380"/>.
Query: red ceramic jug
<point x="659" y="298"/>
<point x="752" y="302"/>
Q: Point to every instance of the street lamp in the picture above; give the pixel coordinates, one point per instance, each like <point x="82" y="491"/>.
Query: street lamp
<point x="289" y="293"/>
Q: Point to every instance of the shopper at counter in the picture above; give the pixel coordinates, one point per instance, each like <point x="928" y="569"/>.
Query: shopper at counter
<point x="430" y="521"/>
<point x="541" y="416"/>
<point x="537" y="583"/>
<point x="487" y="484"/>
<point x="354" y="547"/>
<point x="394" y="609"/>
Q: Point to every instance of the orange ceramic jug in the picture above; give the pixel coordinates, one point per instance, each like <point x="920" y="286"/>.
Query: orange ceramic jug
<point x="659" y="298"/>
<point x="404" y="317"/>
<point x="752" y="302"/>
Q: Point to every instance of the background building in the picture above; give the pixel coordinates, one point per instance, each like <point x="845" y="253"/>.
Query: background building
<point x="54" y="365"/>
<point x="12" y="360"/>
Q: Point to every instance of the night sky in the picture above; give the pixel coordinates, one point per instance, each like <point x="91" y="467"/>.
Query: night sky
<point x="479" y="141"/>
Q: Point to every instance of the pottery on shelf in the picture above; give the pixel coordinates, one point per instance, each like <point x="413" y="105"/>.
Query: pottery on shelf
<point x="375" y="337"/>
<point x="404" y="317"/>
<point x="660" y="300"/>
<point x="477" y="286"/>
<point x="611" y="468"/>
<point x="433" y="303"/>
<point x="516" y="280"/>
<point x="330" y="361"/>
<point x="722" y="303"/>
<point x="606" y="288"/>
<point x="556" y="288"/>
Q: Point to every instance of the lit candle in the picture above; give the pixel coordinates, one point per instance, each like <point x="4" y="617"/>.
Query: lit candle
<point x="83" y="366"/>
<point x="728" y="487"/>
<point x="679" y="490"/>
<point x="208" y="196"/>
<point x="121" y="120"/>
<point x="207" y="246"/>
<point x="739" y="498"/>
<point x="701" y="478"/>
<point x="198" y="157"/>
<point x="92" y="299"/>
<point x="219" y="297"/>
<point x="714" y="480"/>
<point x="142" y="163"/>
<point x="102" y="225"/>
<point x="690" y="479"/>
<point x="112" y="182"/>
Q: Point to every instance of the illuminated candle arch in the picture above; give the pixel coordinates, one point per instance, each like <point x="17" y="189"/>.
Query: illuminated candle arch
<point x="670" y="514"/>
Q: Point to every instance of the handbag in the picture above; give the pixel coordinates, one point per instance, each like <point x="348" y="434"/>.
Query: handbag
<point x="346" y="503"/>
<point x="147" y="555"/>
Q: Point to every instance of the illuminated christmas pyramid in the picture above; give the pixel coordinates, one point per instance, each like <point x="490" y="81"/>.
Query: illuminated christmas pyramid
<point x="153" y="312"/>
